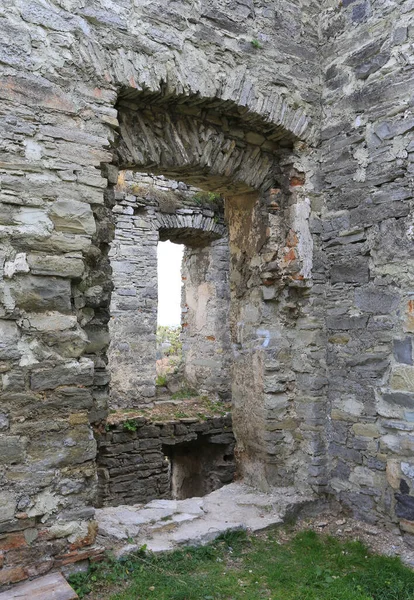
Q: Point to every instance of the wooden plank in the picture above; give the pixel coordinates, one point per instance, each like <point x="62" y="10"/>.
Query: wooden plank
<point x="49" y="587"/>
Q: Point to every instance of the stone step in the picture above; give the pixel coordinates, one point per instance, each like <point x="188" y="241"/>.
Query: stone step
<point x="50" y="587"/>
<point x="164" y="525"/>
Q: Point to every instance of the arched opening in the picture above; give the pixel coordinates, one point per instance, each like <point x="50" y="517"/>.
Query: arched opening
<point x="220" y="154"/>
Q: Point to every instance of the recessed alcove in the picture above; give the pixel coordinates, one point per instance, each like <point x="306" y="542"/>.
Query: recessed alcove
<point x="200" y="466"/>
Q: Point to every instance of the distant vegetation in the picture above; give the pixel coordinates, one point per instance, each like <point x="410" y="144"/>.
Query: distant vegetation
<point x="168" y="340"/>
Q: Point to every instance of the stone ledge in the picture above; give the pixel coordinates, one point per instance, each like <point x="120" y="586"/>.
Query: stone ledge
<point x="50" y="587"/>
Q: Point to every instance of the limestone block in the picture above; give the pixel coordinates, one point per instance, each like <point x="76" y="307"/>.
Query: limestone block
<point x="369" y="430"/>
<point x="402" y="378"/>
<point x="67" y="344"/>
<point x="48" y="321"/>
<point x="393" y="472"/>
<point x="98" y="337"/>
<point x="12" y="449"/>
<point x="72" y="447"/>
<point x="408" y="470"/>
<point x="45" y="503"/>
<point x="70" y="529"/>
<point x="35" y="293"/>
<point x="59" y="266"/>
<point x="61" y="242"/>
<point x="33" y="221"/>
<point x="398" y="444"/>
<point x="71" y="373"/>
<point x="73" y="217"/>
<point x="9" y="337"/>
<point x="8" y="506"/>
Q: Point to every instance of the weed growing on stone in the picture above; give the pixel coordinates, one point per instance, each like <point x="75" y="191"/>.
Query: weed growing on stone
<point x="256" y="44"/>
<point x="236" y="566"/>
<point x="180" y="414"/>
<point x="184" y="393"/>
<point x="130" y="425"/>
<point x="206" y="197"/>
<point x="161" y="380"/>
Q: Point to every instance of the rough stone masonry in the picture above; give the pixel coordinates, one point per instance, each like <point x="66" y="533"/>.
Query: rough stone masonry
<point x="300" y="113"/>
<point x="148" y="210"/>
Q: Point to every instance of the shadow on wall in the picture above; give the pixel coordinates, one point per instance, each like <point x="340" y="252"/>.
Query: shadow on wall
<point x="199" y="467"/>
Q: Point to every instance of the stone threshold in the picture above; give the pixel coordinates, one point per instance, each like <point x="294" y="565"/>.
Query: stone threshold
<point x="50" y="587"/>
<point x="163" y="525"/>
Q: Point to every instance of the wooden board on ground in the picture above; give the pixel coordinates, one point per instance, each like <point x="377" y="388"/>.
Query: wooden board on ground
<point x="50" y="587"/>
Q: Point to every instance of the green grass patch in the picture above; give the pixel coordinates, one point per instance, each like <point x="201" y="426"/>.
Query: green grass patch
<point x="309" y="567"/>
<point x="184" y="394"/>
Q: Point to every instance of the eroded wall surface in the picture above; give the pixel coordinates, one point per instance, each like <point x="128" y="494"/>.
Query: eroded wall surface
<point x="366" y="255"/>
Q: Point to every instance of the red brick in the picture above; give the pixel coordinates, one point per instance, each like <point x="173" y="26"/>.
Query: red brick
<point x="75" y="555"/>
<point x="13" y="541"/>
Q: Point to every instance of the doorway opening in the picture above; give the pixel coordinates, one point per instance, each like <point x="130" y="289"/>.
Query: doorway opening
<point x="169" y="324"/>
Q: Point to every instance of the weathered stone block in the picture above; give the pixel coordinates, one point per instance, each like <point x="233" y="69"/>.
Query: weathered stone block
<point x="73" y="447"/>
<point x="405" y="507"/>
<point x="399" y="399"/>
<point x="402" y="378"/>
<point x="73" y="217"/>
<point x="375" y="301"/>
<point x="369" y="430"/>
<point x="354" y="270"/>
<point x="12" y="450"/>
<point x="9" y="337"/>
<point x="8" y="506"/>
<point x="59" y="266"/>
<point x="36" y="294"/>
<point x="73" y="373"/>
<point x="403" y="351"/>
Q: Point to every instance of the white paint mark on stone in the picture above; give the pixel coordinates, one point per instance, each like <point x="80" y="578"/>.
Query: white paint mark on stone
<point x="33" y="151"/>
<point x="266" y="334"/>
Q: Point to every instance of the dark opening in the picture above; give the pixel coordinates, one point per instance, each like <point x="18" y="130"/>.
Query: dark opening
<point x="199" y="467"/>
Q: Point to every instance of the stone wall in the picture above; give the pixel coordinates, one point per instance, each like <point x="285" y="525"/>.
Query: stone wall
<point x="364" y="230"/>
<point x="310" y="124"/>
<point x="132" y="463"/>
<point x="148" y="209"/>
<point x="206" y="332"/>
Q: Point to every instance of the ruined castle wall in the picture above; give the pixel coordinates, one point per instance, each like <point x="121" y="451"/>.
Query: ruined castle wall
<point x="331" y="312"/>
<point x="365" y="240"/>
<point x="146" y="209"/>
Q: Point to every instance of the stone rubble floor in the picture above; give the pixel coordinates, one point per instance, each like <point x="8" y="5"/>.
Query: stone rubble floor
<point x="164" y="525"/>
